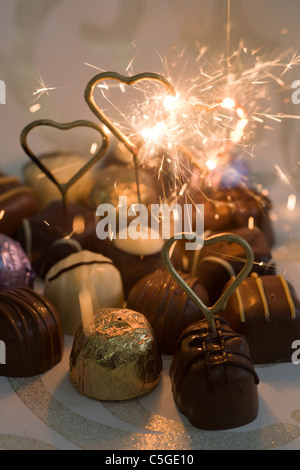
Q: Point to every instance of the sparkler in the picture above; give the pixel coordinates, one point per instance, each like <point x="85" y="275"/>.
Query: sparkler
<point x="63" y="187"/>
<point x="89" y="97"/>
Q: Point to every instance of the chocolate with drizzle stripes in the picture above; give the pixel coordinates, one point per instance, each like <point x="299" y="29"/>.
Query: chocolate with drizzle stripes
<point x="31" y="329"/>
<point x="266" y="310"/>
<point x="213" y="379"/>
<point x="168" y="309"/>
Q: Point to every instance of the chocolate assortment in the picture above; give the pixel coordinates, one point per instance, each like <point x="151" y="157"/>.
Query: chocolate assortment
<point x="217" y="311"/>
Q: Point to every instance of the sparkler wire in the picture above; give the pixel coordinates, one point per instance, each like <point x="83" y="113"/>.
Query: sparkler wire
<point x="89" y="97"/>
<point x="64" y="187"/>
<point x="209" y="312"/>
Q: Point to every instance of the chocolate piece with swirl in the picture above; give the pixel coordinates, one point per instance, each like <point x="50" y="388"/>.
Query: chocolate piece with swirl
<point x="213" y="379"/>
<point x="166" y="306"/>
<point x="31" y="331"/>
<point x="17" y="202"/>
<point x="266" y="310"/>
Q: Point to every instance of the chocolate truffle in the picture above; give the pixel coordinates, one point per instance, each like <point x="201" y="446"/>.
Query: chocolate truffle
<point x="17" y="202"/>
<point x="135" y="266"/>
<point x="210" y="264"/>
<point x="116" y="358"/>
<point x="63" y="165"/>
<point x="235" y="254"/>
<point x="234" y="208"/>
<point x="266" y="310"/>
<point x="88" y="273"/>
<point x="54" y="234"/>
<point x="15" y="268"/>
<point x="31" y="331"/>
<point x="167" y="307"/>
<point x="213" y="379"/>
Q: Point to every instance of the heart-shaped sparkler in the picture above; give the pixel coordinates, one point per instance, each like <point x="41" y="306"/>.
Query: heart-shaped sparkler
<point x="89" y="97"/>
<point x="64" y="187"/>
<point x="210" y="312"/>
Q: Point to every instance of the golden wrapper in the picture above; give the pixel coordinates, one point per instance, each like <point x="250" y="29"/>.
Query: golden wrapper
<point x="117" y="358"/>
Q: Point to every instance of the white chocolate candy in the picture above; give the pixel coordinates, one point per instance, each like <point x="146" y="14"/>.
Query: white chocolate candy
<point x="88" y="273"/>
<point x="140" y="246"/>
<point x="63" y="166"/>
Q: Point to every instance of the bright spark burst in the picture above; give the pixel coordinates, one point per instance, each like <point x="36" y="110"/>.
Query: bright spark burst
<point x="42" y="89"/>
<point x="214" y="115"/>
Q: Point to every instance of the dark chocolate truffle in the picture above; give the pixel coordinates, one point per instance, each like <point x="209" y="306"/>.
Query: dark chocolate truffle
<point x="15" y="268"/>
<point x="31" y="331"/>
<point x="167" y="307"/>
<point x="52" y="234"/>
<point x="233" y="208"/>
<point x="266" y="310"/>
<point x="17" y="202"/>
<point x="213" y="263"/>
<point x="213" y="379"/>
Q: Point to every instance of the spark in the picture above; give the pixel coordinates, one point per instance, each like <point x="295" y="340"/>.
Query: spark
<point x="282" y="175"/>
<point x="291" y="203"/>
<point x="42" y="89"/>
<point x="213" y="115"/>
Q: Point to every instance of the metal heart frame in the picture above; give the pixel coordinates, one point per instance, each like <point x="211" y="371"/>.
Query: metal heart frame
<point x="89" y="98"/>
<point x="64" y="187"/>
<point x="209" y="312"/>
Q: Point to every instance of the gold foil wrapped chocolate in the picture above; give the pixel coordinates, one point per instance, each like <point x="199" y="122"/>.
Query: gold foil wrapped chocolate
<point x="116" y="358"/>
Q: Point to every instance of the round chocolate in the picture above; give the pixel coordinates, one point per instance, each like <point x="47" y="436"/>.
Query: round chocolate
<point x="31" y="330"/>
<point x="167" y="307"/>
<point x="17" y="202"/>
<point x="53" y="234"/>
<point x="15" y="267"/>
<point x="88" y="273"/>
<point x="116" y="358"/>
<point x="213" y="380"/>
